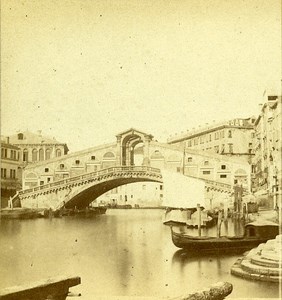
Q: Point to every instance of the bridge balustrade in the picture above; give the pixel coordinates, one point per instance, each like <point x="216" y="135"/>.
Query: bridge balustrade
<point x="72" y="179"/>
<point x="90" y="175"/>
<point x="56" y="183"/>
<point x="112" y="170"/>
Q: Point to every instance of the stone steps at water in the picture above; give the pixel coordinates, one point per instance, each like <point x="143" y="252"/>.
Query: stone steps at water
<point x="248" y="266"/>
<point x="238" y="271"/>
<point x="261" y="263"/>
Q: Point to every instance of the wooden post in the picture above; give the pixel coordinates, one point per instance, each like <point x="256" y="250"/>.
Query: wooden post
<point x="219" y="221"/>
<point x="246" y="210"/>
<point x="225" y="209"/>
<point x="199" y="219"/>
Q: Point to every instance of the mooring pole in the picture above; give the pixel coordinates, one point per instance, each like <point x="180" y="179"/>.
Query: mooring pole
<point x="219" y="221"/>
<point x="199" y="219"/>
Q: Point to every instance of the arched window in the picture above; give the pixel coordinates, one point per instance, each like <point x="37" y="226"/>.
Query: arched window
<point x="34" y="155"/>
<point x="189" y="159"/>
<point x="58" y="152"/>
<point x="41" y="154"/>
<point x="25" y="155"/>
<point x="109" y="155"/>
<point x="48" y="154"/>
<point x="157" y="155"/>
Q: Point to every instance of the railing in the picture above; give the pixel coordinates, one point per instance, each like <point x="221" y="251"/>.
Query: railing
<point x="219" y="184"/>
<point x="224" y="185"/>
<point x="92" y="175"/>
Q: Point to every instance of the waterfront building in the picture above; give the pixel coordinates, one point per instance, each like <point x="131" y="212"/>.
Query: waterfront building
<point x="10" y="182"/>
<point x="35" y="147"/>
<point x="147" y="194"/>
<point x="233" y="138"/>
<point x="267" y="160"/>
<point x="217" y="168"/>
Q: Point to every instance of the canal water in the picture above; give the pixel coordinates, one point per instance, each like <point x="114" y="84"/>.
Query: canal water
<point x="124" y="252"/>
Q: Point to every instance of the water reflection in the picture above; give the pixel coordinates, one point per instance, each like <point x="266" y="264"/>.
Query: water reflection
<point x="125" y="252"/>
<point x="202" y="260"/>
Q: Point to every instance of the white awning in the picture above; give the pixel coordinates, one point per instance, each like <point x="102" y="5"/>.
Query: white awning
<point x="181" y="191"/>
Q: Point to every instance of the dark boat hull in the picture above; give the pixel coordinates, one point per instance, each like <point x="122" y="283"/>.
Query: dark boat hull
<point x="214" y="244"/>
<point x="99" y="210"/>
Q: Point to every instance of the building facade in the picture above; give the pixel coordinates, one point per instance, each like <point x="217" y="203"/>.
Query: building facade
<point x="267" y="160"/>
<point x="10" y="182"/>
<point x="34" y="147"/>
<point x="232" y="138"/>
<point x="147" y="194"/>
<point x="216" y="168"/>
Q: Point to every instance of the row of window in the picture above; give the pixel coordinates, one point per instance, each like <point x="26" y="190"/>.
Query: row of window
<point x="77" y="162"/>
<point x="4" y="173"/>
<point x="13" y="154"/>
<point x="208" y="138"/>
<point x="48" y="180"/>
<point x="209" y="172"/>
<point x="223" y="150"/>
<point x="206" y="163"/>
<point x="38" y="155"/>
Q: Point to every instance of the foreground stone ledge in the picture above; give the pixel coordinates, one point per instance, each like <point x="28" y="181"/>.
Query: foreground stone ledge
<point x="58" y="289"/>
<point x="53" y="288"/>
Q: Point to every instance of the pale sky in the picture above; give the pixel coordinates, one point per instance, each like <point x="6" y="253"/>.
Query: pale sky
<point x="83" y="71"/>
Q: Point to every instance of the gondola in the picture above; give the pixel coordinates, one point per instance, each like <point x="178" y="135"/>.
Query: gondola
<point x="255" y="233"/>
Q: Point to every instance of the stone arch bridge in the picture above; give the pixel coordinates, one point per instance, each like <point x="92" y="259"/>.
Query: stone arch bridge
<point x="80" y="191"/>
<point x="71" y="178"/>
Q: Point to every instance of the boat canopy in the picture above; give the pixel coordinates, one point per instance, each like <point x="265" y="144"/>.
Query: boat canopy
<point x="262" y="223"/>
<point x="180" y="191"/>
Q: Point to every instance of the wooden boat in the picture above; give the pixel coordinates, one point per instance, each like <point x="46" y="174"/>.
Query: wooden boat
<point x="90" y="211"/>
<point x="255" y="233"/>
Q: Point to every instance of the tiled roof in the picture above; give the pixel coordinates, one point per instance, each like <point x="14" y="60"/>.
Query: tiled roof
<point x="32" y="138"/>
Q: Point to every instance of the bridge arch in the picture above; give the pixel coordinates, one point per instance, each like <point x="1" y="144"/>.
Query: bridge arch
<point x="87" y="194"/>
<point x="79" y="191"/>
